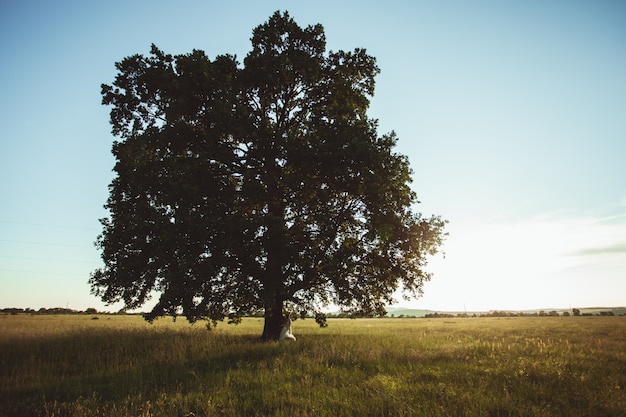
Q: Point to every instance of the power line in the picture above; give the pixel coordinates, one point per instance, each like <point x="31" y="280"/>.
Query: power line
<point x="32" y="258"/>
<point x="18" y="271"/>
<point x="46" y="225"/>
<point x="28" y="242"/>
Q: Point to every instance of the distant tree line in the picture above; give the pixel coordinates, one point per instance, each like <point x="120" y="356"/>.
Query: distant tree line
<point x="54" y="310"/>
<point x="340" y="315"/>
<point x="541" y="313"/>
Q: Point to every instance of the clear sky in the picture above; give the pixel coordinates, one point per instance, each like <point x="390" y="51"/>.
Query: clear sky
<point x="512" y="114"/>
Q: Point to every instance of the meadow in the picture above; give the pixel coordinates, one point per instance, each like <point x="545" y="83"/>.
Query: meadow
<point x="122" y="366"/>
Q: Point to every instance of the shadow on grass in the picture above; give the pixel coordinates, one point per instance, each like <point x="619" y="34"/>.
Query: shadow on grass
<point x="114" y="365"/>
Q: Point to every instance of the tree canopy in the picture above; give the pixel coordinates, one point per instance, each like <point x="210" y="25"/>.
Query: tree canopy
<point x="241" y="187"/>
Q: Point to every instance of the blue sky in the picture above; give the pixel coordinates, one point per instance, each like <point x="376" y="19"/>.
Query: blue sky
<point x="512" y="114"/>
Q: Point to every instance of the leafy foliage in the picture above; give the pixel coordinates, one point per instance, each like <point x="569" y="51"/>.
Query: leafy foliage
<point x="241" y="187"/>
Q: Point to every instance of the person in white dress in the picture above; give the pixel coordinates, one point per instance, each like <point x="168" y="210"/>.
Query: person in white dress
<point x="285" y="331"/>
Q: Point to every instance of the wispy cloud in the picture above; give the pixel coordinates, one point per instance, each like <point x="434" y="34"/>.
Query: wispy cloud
<point x="534" y="262"/>
<point x="601" y="239"/>
<point x="619" y="248"/>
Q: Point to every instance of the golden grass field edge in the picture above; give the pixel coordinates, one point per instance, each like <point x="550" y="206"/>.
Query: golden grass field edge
<point x="114" y="365"/>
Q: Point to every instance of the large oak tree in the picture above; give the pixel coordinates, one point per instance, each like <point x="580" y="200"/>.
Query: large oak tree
<point x="244" y="187"/>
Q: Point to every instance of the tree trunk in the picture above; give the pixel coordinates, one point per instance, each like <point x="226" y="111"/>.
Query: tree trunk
<point x="275" y="246"/>
<point x="273" y="319"/>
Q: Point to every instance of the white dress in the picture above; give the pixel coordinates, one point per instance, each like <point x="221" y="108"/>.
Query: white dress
<point x="285" y="331"/>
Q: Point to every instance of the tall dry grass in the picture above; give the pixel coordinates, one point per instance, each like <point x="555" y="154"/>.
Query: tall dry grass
<point x="123" y="366"/>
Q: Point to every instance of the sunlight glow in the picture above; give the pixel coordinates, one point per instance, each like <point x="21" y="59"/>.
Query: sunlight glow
<point x="535" y="263"/>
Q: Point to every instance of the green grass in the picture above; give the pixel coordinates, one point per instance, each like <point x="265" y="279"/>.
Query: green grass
<point x="123" y="366"/>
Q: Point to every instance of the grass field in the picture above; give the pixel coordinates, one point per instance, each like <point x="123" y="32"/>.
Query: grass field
<point x="123" y="366"/>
